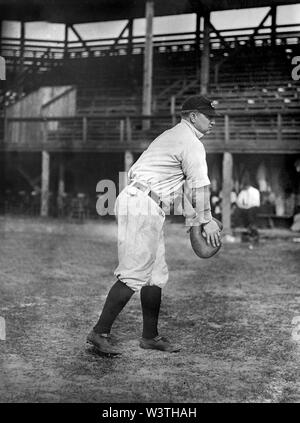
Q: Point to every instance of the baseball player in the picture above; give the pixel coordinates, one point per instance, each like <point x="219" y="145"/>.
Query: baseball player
<point x="175" y="157"/>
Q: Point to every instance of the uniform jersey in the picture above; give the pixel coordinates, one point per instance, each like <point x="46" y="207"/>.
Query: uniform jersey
<point x="173" y="157"/>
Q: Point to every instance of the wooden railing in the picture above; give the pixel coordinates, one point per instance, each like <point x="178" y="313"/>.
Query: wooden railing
<point x="281" y="95"/>
<point x="34" y="49"/>
<point x="243" y="132"/>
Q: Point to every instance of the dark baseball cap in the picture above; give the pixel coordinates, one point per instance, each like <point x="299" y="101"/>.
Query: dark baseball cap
<point x="201" y="104"/>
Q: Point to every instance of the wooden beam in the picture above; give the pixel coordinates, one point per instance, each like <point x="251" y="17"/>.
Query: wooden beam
<point x="84" y="130"/>
<point x="279" y="128"/>
<point x="45" y="183"/>
<point x="173" y="109"/>
<point x="273" y="25"/>
<point x="225" y="44"/>
<point x="130" y="61"/>
<point x="33" y="182"/>
<point x="226" y="129"/>
<point x="130" y="35"/>
<point x="120" y="36"/>
<point x="22" y="50"/>
<point x="61" y="186"/>
<point x="148" y="63"/>
<point x="61" y="176"/>
<point x="80" y="38"/>
<point x="0" y="37"/>
<point x="197" y="39"/>
<point x="122" y="130"/>
<point x="66" y="40"/>
<point x="226" y="192"/>
<point x="205" y="58"/>
<point x="259" y="26"/>
<point x="128" y="160"/>
<point x="128" y="130"/>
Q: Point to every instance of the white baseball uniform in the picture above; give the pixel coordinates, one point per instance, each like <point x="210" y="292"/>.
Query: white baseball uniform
<point x="173" y="158"/>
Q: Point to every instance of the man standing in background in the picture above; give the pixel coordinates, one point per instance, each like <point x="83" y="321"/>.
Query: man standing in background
<point x="248" y="202"/>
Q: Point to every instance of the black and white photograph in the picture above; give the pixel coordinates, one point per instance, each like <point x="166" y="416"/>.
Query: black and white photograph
<point x="149" y="204"/>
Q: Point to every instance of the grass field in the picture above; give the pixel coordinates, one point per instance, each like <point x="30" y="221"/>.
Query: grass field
<point x="232" y="314"/>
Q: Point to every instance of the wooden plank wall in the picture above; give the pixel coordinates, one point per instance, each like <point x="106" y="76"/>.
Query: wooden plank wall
<point x="35" y="105"/>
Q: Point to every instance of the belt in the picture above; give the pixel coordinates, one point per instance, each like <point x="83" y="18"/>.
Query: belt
<point x="155" y="197"/>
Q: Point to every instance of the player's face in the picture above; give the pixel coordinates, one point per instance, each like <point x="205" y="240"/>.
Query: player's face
<point x="203" y="123"/>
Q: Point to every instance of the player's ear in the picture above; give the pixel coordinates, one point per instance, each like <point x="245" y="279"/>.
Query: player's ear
<point x="193" y="117"/>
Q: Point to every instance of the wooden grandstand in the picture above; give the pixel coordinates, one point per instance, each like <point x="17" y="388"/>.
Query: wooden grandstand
<point x="109" y="96"/>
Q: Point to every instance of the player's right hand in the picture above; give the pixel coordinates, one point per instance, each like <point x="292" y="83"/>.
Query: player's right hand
<point x="212" y="233"/>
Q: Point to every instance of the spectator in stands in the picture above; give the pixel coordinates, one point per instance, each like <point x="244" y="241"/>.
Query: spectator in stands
<point x="248" y="202"/>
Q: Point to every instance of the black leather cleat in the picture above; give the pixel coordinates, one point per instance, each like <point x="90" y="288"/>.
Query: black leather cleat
<point x="102" y="344"/>
<point x="159" y="343"/>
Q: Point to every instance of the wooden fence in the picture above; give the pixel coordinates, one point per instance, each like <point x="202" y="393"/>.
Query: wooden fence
<point x="44" y="53"/>
<point x="267" y="132"/>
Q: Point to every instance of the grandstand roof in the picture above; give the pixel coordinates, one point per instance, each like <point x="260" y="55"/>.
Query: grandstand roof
<point x="80" y="11"/>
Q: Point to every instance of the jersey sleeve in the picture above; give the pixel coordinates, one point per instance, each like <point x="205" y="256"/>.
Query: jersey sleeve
<point x="194" y="164"/>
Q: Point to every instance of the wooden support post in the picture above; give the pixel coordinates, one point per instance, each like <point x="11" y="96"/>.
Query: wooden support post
<point x="122" y="131"/>
<point x="6" y="127"/>
<point x="61" y="176"/>
<point x="123" y="177"/>
<point x="197" y="41"/>
<point x="262" y="177"/>
<point x="273" y="25"/>
<point x="130" y="35"/>
<point x="22" y="51"/>
<point x="216" y="73"/>
<point x="221" y="38"/>
<point x="128" y="160"/>
<point x="279" y="128"/>
<point x="205" y="58"/>
<point x="227" y="181"/>
<point x="22" y="45"/>
<point x="114" y="45"/>
<point x="173" y="109"/>
<point x="227" y="130"/>
<point x="61" y="186"/>
<point x="84" y="130"/>
<point x="0" y="37"/>
<point x="66" y="41"/>
<point x="148" y="63"/>
<point x="128" y="130"/>
<point x="226" y="192"/>
<point x="130" y="58"/>
<point x="45" y="183"/>
<point x="252" y="36"/>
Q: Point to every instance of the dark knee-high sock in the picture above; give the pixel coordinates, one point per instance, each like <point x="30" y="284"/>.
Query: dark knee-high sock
<point x="150" y="300"/>
<point x="117" y="298"/>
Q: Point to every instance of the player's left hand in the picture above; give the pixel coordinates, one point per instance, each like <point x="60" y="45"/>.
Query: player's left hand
<point x="212" y="233"/>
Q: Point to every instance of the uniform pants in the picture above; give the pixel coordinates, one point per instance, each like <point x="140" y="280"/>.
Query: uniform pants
<point x="141" y="246"/>
<point x="249" y="217"/>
